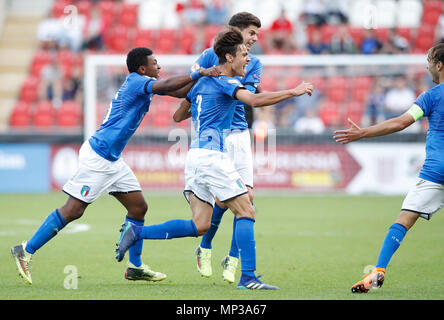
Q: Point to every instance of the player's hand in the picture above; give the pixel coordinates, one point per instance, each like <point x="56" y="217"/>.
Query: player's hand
<point x="303" y="88"/>
<point x="352" y="134"/>
<point x="210" y="72"/>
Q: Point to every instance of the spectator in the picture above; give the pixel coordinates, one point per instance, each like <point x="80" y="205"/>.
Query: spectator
<point x="51" y="82"/>
<point x="314" y="12"/>
<point x="194" y="12"/>
<point x="49" y="33"/>
<point x="398" y="98"/>
<point x="396" y="44"/>
<point x="300" y="38"/>
<point x="309" y="123"/>
<point x="94" y="30"/>
<point x="315" y="44"/>
<point x="370" y="44"/>
<point x="374" y="112"/>
<point x="342" y="42"/>
<point x="71" y="85"/>
<point x="337" y="11"/>
<point x="217" y="11"/>
<point x="280" y="36"/>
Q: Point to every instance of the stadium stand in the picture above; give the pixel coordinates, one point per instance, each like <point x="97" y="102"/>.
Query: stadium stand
<point x="180" y="27"/>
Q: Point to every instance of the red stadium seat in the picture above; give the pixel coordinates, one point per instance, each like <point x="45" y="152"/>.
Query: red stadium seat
<point x="44" y="115"/>
<point x="166" y="45"/>
<point x="210" y="32"/>
<point x="84" y="7"/>
<point x="432" y="5"/>
<point x="268" y="83"/>
<point x="354" y="111"/>
<point x="327" y="31"/>
<point x="405" y="32"/>
<point x="29" y="89"/>
<point x="382" y="34"/>
<point x="424" y="43"/>
<point x="357" y="34"/>
<point x="69" y="115"/>
<point x="21" y="115"/>
<point x="360" y="94"/>
<point x="58" y="7"/>
<point x="329" y="114"/>
<point x="337" y="94"/>
<point x="129" y="14"/>
<point x="431" y="17"/>
<point x="362" y="82"/>
<point x="291" y="82"/>
<point x="41" y="58"/>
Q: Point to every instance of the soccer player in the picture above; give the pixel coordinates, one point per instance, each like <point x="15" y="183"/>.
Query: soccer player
<point x="101" y="167"/>
<point x="238" y="145"/>
<point x="427" y="196"/>
<point x="209" y="172"/>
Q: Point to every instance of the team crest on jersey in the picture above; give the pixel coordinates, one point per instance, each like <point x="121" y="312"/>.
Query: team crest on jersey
<point x="240" y="183"/>
<point x="85" y="190"/>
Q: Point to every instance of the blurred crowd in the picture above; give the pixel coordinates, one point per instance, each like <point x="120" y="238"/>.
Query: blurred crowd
<point x="74" y="28"/>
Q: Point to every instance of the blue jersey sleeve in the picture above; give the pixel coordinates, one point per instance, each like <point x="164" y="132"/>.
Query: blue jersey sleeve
<point x="230" y="86"/>
<point x="253" y="78"/>
<point x="206" y="60"/>
<point x="425" y="102"/>
<point x="147" y="85"/>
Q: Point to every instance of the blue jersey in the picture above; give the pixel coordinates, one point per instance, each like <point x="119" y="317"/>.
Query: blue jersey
<point x="251" y="80"/>
<point x="432" y="103"/>
<point x="124" y="115"/>
<point x="213" y="104"/>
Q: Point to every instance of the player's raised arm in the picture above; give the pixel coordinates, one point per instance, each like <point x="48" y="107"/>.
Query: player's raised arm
<point x="269" y="98"/>
<point x="183" y="112"/>
<point x="178" y="82"/>
<point x="384" y="128"/>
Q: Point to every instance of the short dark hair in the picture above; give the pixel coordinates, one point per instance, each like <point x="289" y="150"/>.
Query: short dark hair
<point x="243" y="20"/>
<point x="436" y="53"/>
<point x="227" y="41"/>
<point x="137" y="57"/>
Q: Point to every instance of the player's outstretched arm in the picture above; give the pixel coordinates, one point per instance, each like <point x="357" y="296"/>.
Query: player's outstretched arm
<point x="387" y="127"/>
<point x="269" y="98"/>
<point x="182" y="92"/>
<point x="178" y="82"/>
<point x="183" y="112"/>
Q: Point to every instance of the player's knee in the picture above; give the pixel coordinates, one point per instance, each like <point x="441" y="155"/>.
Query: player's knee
<point x="202" y="226"/>
<point x="248" y="212"/>
<point x="71" y="213"/>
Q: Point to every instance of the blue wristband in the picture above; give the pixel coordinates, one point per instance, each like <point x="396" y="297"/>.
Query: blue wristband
<point x="195" y="75"/>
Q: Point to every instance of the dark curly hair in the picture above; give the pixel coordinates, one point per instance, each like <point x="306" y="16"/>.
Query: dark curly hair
<point x="227" y="41"/>
<point x="137" y="57"/>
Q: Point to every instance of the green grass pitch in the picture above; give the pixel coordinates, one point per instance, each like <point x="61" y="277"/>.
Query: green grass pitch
<point x="314" y="247"/>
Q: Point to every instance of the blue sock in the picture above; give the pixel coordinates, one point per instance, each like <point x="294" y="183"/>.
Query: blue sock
<point x="135" y="252"/>
<point x="168" y="230"/>
<point x="216" y="218"/>
<point x="391" y="243"/>
<point x="49" y="228"/>
<point x="234" y="249"/>
<point x="247" y="245"/>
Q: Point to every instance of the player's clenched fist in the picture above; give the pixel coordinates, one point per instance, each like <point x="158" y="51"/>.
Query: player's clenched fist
<point x="302" y="88"/>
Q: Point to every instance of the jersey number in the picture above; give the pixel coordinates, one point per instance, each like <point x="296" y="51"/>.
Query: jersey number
<point x="109" y="109"/>
<point x="199" y="109"/>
